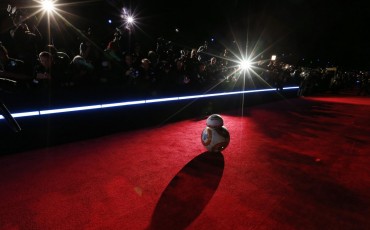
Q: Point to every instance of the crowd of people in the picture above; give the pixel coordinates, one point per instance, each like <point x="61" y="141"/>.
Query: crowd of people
<point x="161" y="69"/>
<point x="164" y="68"/>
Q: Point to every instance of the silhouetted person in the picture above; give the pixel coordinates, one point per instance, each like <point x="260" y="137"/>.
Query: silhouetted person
<point x="49" y="73"/>
<point x="12" y="68"/>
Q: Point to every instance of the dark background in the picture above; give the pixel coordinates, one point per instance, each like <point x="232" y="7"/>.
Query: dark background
<point x="327" y="32"/>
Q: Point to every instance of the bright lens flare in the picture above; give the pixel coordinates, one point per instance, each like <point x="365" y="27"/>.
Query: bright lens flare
<point x="48" y="5"/>
<point x="130" y="19"/>
<point x="245" y="65"/>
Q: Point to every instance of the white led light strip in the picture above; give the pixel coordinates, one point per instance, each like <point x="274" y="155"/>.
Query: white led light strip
<point x="128" y="103"/>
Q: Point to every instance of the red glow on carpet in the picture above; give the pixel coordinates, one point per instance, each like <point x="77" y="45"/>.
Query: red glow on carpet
<point x="292" y="164"/>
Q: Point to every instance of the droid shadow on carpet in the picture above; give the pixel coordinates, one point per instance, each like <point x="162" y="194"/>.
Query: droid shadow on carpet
<point x="188" y="193"/>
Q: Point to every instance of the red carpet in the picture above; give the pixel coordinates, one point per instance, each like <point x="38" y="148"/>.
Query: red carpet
<point x="293" y="164"/>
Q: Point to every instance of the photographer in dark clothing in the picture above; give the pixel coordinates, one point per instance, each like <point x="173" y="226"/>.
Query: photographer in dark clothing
<point x="26" y="36"/>
<point x="8" y="64"/>
<point x="49" y="73"/>
<point x="11" y="68"/>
